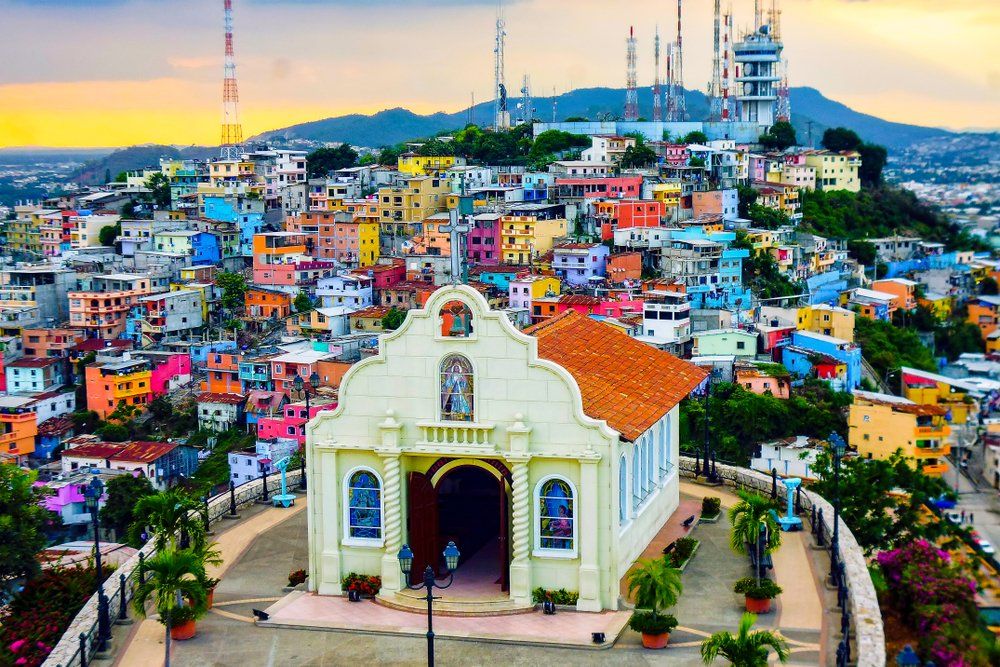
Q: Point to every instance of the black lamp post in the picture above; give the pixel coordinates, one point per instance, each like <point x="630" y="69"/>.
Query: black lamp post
<point x="837" y="447"/>
<point x="92" y="496"/>
<point x="711" y="475"/>
<point x="451" y="555"/>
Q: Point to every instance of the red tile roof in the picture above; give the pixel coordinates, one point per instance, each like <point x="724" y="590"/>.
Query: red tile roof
<point x="377" y="312"/>
<point x="96" y="450"/>
<point x="579" y="300"/>
<point x="55" y="426"/>
<point x="97" y="344"/>
<point x="144" y="452"/>
<point x="34" y="362"/>
<point x="628" y="384"/>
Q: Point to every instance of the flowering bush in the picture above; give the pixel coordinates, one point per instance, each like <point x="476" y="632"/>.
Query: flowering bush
<point x="937" y="600"/>
<point x="367" y="585"/>
<point x="31" y="625"/>
<point x="296" y="577"/>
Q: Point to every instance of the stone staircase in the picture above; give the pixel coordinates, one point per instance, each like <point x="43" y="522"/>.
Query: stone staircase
<point x="416" y="602"/>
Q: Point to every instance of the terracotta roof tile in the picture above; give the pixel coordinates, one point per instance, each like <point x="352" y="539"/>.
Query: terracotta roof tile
<point x="628" y="384"/>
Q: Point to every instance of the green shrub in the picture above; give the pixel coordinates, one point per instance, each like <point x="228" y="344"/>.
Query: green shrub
<point x="765" y="590"/>
<point x="651" y="623"/>
<point x="561" y="596"/>
<point x="682" y="551"/>
<point x="710" y="507"/>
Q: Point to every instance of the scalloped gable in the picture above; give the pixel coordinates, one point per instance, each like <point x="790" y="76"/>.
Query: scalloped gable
<point x="628" y="384"/>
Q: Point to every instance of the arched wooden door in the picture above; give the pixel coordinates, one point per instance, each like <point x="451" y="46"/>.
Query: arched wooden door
<point x="422" y="524"/>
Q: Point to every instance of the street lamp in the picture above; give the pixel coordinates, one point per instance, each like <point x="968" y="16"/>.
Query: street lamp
<point x="711" y="475"/>
<point x="837" y="447"/>
<point x="300" y="386"/>
<point x="92" y="496"/>
<point x="405" y="557"/>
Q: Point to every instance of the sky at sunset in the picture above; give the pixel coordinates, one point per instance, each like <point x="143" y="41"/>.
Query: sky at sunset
<point x="120" y="72"/>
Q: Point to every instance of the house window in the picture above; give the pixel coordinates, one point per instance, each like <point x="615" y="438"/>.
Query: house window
<point x="556" y="527"/>
<point x="664" y="447"/>
<point x="363" y="508"/>
<point x="457" y="389"/>
<point x="636" y="477"/>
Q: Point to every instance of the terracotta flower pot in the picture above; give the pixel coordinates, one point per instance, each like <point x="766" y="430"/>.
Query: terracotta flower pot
<point x="655" y="641"/>
<point x="182" y="631"/>
<point x="758" y="606"/>
<point x="211" y="596"/>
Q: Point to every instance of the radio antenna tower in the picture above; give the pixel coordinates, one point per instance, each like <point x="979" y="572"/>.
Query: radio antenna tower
<point x="501" y="118"/>
<point x="715" y="87"/>
<point x="527" y="108"/>
<point x="555" y="104"/>
<point x="728" y="113"/>
<point x="681" y="107"/>
<point x="671" y="114"/>
<point x="783" y="112"/>
<point x="631" y="94"/>
<point x="232" y="131"/>
<point x="657" y="90"/>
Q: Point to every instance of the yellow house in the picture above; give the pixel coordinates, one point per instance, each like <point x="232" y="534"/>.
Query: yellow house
<point x="835" y="171"/>
<point x="669" y="194"/>
<point x="827" y="320"/>
<point x="940" y="305"/>
<point x="411" y="164"/>
<point x="224" y="171"/>
<point x="402" y="208"/>
<point x="931" y="389"/>
<point x="762" y="239"/>
<point x="523" y="237"/>
<point x="879" y="424"/>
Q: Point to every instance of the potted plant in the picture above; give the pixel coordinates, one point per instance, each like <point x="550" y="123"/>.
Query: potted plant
<point x="209" y="555"/>
<point x="170" y="516"/>
<point x="746" y="648"/>
<point x="175" y="584"/>
<point x="654" y="585"/>
<point x="711" y="507"/>
<point x="757" y="593"/>
<point x="755" y="529"/>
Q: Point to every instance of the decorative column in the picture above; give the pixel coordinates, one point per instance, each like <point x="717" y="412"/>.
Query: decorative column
<point x="520" y="564"/>
<point x="588" y="534"/>
<point x="327" y="524"/>
<point x="392" y="507"/>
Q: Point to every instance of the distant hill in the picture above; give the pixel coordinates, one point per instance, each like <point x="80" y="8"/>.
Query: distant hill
<point x="396" y="125"/>
<point x="93" y="172"/>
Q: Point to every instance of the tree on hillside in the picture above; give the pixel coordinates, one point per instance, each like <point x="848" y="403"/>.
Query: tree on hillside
<point x="695" y="137"/>
<point x="22" y="524"/>
<point x="863" y="251"/>
<point x="748" y="197"/>
<point x="109" y="233"/>
<point x="888" y="347"/>
<point x="234" y="289"/>
<point x="123" y="493"/>
<point x="389" y="155"/>
<point x="322" y="161"/>
<point x="766" y="217"/>
<point x="302" y="303"/>
<point x="160" y="186"/>
<point x="840" y="139"/>
<point x="873" y="159"/>
<point x="393" y="319"/>
<point x="780" y="136"/>
<point x="638" y="156"/>
<point x="576" y="119"/>
<point x="988" y="286"/>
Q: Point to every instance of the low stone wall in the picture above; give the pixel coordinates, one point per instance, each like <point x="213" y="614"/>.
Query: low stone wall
<point x="869" y="642"/>
<point x="67" y="652"/>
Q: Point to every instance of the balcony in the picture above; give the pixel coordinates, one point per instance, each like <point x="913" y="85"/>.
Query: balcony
<point x="941" y="431"/>
<point x="455" y="434"/>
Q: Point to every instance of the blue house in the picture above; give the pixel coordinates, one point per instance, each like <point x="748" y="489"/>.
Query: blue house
<point x="806" y="353"/>
<point x="206" y="248"/>
<point x="244" y="212"/>
<point x="498" y="276"/>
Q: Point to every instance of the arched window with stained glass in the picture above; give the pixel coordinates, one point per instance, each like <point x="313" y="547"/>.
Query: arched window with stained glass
<point x="623" y="490"/>
<point x="457" y="389"/>
<point x="363" y="507"/>
<point x="556" y="527"/>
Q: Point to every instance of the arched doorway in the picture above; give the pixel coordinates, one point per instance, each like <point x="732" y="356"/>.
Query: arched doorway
<point x="466" y="504"/>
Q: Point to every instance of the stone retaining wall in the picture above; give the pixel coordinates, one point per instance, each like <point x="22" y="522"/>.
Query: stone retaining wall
<point x="869" y="643"/>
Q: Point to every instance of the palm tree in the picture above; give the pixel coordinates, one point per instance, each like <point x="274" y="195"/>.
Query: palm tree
<point x="750" y="517"/>
<point x="746" y="648"/>
<point x="171" y="578"/>
<point x="169" y="515"/>
<point x="653" y="584"/>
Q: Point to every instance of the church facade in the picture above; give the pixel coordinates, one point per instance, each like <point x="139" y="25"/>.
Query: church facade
<point x="548" y="456"/>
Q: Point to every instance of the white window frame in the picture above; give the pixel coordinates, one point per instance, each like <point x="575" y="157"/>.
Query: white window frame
<point x="624" y="507"/>
<point x="665" y="448"/>
<point x="565" y="554"/>
<point x="368" y="542"/>
<point x="636" y="477"/>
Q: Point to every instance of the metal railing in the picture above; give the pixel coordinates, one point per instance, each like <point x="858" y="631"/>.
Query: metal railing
<point x="862" y="634"/>
<point x="79" y="643"/>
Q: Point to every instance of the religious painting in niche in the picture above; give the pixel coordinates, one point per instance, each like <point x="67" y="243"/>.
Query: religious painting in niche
<point x="555" y="511"/>
<point x="364" y="506"/>
<point x="456" y="389"/>
<point x="456" y="320"/>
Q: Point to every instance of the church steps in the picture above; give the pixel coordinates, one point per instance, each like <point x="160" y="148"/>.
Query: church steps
<point x="455" y="606"/>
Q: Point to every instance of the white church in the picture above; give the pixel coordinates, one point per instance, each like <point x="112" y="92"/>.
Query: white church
<point x="548" y="456"/>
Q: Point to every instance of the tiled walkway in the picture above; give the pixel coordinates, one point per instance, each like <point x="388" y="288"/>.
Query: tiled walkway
<point x="258" y="568"/>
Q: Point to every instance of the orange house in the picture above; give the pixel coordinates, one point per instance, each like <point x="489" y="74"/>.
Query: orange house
<point x="18" y="428"/>
<point x="984" y="312"/>
<point x="625" y="214"/>
<point x="263" y="304"/>
<point x="119" y="382"/>
<point x="904" y="290"/>
<point x="624" y="266"/>
<point x="222" y="374"/>
<point x="50" y="342"/>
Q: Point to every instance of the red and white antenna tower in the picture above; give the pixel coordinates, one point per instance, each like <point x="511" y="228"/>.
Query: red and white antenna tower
<point x="232" y="131"/>
<point x="728" y="112"/>
<point x="657" y="90"/>
<point x="671" y="106"/>
<point x="631" y="92"/>
<point x="680" y="104"/>
<point x="715" y="87"/>
<point x="783" y="112"/>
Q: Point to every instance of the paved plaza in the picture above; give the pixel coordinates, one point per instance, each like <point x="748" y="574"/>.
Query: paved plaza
<point x="262" y="548"/>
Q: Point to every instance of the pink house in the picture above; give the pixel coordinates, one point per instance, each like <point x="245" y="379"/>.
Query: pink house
<point x="170" y="370"/>
<point x="384" y="275"/>
<point x="761" y="381"/>
<point x="588" y="305"/>
<point x="291" y="423"/>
